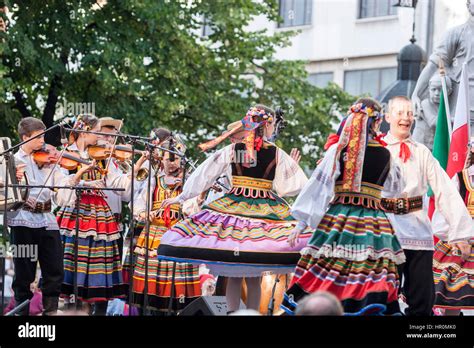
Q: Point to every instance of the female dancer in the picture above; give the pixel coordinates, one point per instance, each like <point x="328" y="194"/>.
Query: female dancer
<point x="453" y="271"/>
<point x="354" y="252"/>
<point x="245" y="232"/>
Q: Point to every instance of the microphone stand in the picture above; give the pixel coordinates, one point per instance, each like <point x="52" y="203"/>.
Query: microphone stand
<point x="271" y="304"/>
<point x="131" y="231"/>
<point x="147" y="230"/>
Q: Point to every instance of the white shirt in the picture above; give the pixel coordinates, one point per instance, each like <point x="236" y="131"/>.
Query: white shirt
<point x="114" y="179"/>
<point x="37" y="176"/>
<point x="289" y="177"/>
<point x="420" y="171"/>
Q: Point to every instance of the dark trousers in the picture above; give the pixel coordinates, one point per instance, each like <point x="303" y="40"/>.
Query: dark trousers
<point x="49" y="253"/>
<point x="416" y="277"/>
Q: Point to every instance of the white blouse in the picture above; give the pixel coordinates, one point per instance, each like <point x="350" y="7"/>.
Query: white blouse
<point x="313" y="201"/>
<point x="289" y="177"/>
<point x="115" y="178"/>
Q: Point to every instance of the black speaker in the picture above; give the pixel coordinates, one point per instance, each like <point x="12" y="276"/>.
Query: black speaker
<point x="208" y="305"/>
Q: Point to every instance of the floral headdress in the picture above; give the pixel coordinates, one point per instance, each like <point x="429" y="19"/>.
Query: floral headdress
<point x="353" y="137"/>
<point x="255" y="118"/>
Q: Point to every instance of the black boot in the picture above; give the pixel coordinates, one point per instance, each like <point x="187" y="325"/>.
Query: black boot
<point x="50" y="305"/>
<point x="100" y="308"/>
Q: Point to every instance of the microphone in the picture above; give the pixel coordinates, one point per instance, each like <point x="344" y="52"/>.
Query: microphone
<point x="172" y="155"/>
<point x="64" y="140"/>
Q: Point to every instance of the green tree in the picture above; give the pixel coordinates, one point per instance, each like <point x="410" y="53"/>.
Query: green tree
<point x="147" y="62"/>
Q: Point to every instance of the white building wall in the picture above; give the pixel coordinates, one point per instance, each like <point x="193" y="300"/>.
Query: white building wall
<point x="338" y="41"/>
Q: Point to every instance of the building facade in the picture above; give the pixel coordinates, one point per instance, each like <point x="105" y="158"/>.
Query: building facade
<point x="355" y="43"/>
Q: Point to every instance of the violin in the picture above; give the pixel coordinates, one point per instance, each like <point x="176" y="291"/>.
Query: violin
<point x="121" y="152"/>
<point x="50" y="155"/>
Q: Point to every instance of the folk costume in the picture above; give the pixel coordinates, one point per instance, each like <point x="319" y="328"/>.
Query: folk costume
<point x="160" y="272"/>
<point x="99" y="275"/>
<point x="409" y="217"/>
<point x="245" y="232"/>
<point x="454" y="276"/>
<point x="353" y="252"/>
<point x="35" y="225"/>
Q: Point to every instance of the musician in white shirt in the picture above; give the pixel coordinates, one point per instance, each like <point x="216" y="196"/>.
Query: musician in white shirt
<point x="34" y="226"/>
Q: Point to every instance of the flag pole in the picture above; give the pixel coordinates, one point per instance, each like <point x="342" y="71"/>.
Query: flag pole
<point x="442" y="73"/>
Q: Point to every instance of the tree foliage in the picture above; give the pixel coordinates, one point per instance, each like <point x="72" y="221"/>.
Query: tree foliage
<point x="147" y="62"/>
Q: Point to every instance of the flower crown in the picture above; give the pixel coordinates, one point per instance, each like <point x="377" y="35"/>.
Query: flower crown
<point x="248" y="121"/>
<point x="362" y="108"/>
<point x="81" y="125"/>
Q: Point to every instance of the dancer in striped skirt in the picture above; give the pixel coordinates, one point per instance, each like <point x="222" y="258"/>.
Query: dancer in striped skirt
<point x="245" y="232"/>
<point x="454" y="269"/>
<point x="353" y="252"/>
<point x="99" y="275"/>
<point x="166" y="184"/>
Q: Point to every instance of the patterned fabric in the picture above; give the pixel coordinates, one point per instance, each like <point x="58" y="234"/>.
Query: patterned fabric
<point x="159" y="273"/>
<point x="239" y="234"/>
<point x="95" y="219"/>
<point x="99" y="276"/>
<point x="454" y="278"/>
<point x="354" y="255"/>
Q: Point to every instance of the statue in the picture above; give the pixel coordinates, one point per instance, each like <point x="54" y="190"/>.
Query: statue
<point x="456" y="49"/>
<point x="427" y="117"/>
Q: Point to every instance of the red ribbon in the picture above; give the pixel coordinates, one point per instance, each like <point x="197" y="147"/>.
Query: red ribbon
<point x="404" y="152"/>
<point x="167" y="216"/>
<point x="379" y="139"/>
<point x="332" y="139"/>
<point x="258" y="144"/>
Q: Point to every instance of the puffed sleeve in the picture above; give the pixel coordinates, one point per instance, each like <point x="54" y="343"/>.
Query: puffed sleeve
<point x="311" y="204"/>
<point x="394" y="183"/>
<point x="206" y="173"/>
<point x="63" y="197"/>
<point x="115" y="178"/>
<point x="139" y="204"/>
<point x="289" y="177"/>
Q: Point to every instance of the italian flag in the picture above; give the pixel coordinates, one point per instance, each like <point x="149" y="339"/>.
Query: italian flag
<point x="460" y="136"/>
<point x="440" y="146"/>
<point x="451" y="150"/>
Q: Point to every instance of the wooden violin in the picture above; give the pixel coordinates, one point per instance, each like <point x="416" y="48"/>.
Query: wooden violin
<point x="120" y="152"/>
<point x="50" y="155"/>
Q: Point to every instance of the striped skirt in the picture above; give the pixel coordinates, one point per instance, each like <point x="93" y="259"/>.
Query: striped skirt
<point x="454" y="278"/>
<point x="353" y="254"/>
<point x="99" y="270"/>
<point x="159" y="275"/>
<point x="237" y="236"/>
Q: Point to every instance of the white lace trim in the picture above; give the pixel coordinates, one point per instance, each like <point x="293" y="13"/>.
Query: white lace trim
<point x="416" y="244"/>
<point x="102" y="236"/>
<point x="352" y="255"/>
<point x="26" y="223"/>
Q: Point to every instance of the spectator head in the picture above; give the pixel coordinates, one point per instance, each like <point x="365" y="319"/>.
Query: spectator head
<point x="320" y="303"/>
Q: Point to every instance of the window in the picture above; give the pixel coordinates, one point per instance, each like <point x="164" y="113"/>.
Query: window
<point x="295" y="12"/>
<point x="371" y="81"/>
<point x="377" y="8"/>
<point x="321" y="80"/>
